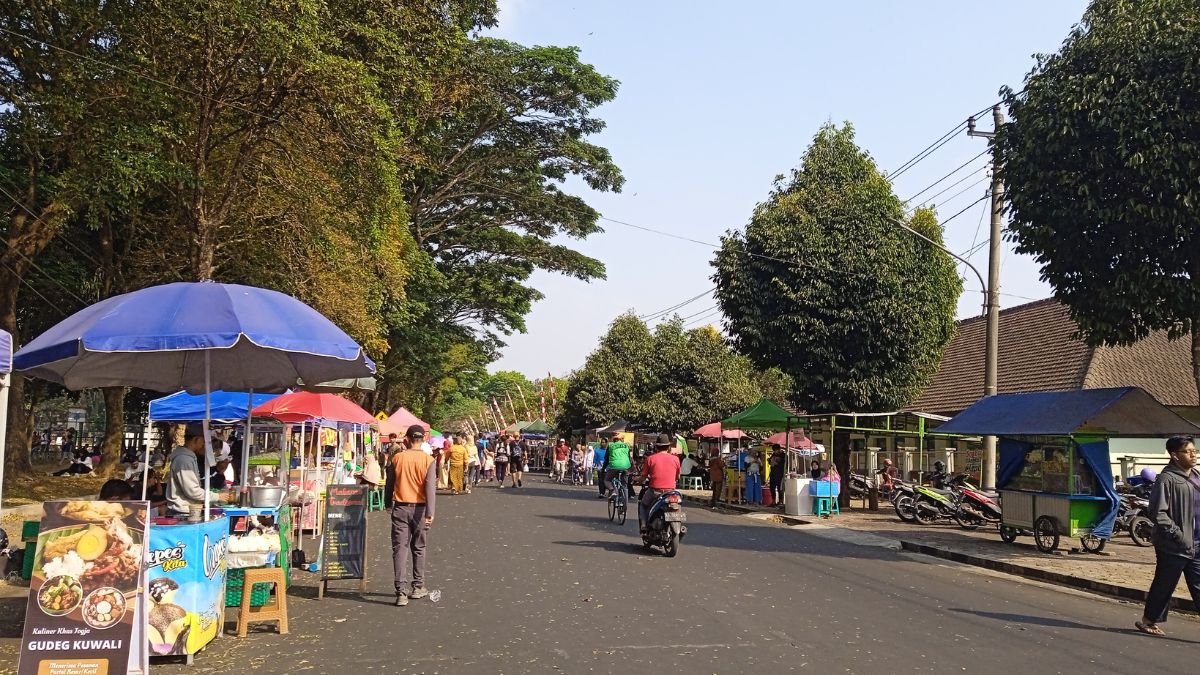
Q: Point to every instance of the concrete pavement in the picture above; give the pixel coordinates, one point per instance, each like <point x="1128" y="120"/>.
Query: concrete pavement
<point x="537" y="580"/>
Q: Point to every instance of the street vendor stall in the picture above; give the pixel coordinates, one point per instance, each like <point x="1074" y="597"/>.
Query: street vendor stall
<point x="767" y="416"/>
<point x="1054" y="472"/>
<point x="198" y="337"/>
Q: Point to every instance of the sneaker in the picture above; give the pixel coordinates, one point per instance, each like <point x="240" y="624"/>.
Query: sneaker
<point x="520" y="484"/>
<point x="401" y="600"/>
<point x="418" y="593"/>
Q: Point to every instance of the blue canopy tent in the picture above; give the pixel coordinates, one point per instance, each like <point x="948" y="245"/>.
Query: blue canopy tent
<point x="1054" y="472"/>
<point x="227" y="406"/>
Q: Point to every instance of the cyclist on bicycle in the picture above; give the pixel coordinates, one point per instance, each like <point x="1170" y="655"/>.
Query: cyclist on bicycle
<point x="616" y="465"/>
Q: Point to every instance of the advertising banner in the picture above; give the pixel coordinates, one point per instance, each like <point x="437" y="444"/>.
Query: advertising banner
<point x="185" y="565"/>
<point x="86" y="605"/>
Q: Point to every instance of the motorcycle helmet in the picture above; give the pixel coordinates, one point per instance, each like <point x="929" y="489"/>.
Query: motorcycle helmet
<point x="939" y="466"/>
<point x="1149" y="475"/>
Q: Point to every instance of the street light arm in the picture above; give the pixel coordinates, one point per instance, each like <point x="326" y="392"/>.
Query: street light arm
<point x="982" y="286"/>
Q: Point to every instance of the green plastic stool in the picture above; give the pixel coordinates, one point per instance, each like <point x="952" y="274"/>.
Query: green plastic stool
<point x="823" y="506"/>
<point x="375" y="501"/>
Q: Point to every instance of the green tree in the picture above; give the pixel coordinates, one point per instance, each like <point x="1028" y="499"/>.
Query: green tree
<point x="1100" y="161"/>
<point x="824" y="284"/>
<point x="603" y="389"/>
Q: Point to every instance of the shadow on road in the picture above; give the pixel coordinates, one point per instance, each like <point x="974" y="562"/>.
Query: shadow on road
<point x="1053" y="622"/>
<point x="747" y="536"/>
<point x="611" y="546"/>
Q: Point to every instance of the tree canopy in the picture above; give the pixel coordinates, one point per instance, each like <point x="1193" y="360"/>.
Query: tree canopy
<point x="824" y="284"/>
<point x="669" y="379"/>
<point x="1101" y="161"/>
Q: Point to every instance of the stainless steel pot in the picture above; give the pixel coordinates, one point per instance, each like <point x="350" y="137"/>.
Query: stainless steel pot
<point x="267" y="496"/>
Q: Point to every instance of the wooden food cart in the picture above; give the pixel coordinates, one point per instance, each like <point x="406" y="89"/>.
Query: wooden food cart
<point x="1054" y="472"/>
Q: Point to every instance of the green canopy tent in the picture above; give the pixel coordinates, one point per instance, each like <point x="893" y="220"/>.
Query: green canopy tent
<point x="766" y="415"/>
<point x="537" y="429"/>
<point x="516" y="427"/>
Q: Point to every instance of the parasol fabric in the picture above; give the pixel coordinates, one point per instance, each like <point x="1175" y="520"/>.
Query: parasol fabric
<point x="303" y="406"/>
<point x="798" y="440"/>
<point x="157" y="338"/>
<point x="399" y="422"/>
<point x="715" y="430"/>
<point x="6" y="352"/>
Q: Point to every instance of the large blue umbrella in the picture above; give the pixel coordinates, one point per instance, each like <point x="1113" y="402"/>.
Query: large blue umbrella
<point x="5" y="368"/>
<point x="167" y="338"/>
<point x="195" y="336"/>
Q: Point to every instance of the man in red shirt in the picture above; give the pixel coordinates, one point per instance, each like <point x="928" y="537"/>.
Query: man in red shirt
<point x="661" y="473"/>
<point x="561" y="452"/>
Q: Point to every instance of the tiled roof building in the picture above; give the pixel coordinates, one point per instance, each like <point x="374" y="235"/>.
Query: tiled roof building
<point x="1039" y="353"/>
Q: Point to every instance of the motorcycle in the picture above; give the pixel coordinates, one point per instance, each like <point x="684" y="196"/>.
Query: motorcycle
<point x="931" y="504"/>
<point x="903" y="498"/>
<point x="859" y="488"/>
<point x="975" y="509"/>
<point x="665" y="525"/>
<point x="1132" y="518"/>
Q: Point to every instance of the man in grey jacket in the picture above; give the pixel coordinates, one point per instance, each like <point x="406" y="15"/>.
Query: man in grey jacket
<point x="1174" y="504"/>
<point x="184" y="484"/>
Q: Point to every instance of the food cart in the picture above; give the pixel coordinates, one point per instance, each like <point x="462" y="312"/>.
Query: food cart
<point x="1054" y="472"/>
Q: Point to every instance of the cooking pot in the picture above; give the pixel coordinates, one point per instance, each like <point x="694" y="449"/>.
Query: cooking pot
<point x="267" y="496"/>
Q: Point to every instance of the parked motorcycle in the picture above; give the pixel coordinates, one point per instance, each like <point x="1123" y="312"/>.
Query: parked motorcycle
<point x="859" y="487"/>
<point x="903" y="499"/>
<point x="933" y="504"/>
<point x="666" y="527"/>
<point x="1132" y="518"/>
<point x="976" y="509"/>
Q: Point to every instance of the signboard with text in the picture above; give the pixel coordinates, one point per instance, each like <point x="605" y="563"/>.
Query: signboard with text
<point x="344" y="542"/>
<point x="86" y="611"/>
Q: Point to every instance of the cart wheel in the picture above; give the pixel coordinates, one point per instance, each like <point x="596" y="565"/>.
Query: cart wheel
<point x="1045" y="534"/>
<point x="1092" y="543"/>
<point x="1008" y="534"/>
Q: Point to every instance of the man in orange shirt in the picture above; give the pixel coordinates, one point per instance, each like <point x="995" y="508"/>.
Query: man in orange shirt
<point x="411" y="490"/>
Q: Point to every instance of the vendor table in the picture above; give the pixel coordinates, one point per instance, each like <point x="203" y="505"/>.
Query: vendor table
<point x="239" y="518"/>
<point x="186" y="569"/>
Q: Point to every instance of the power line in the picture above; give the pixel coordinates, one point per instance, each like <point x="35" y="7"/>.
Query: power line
<point x="965" y="209"/>
<point x="956" y="170"/>
<point x="19" y="203"/>
<point x="653" y="315"/>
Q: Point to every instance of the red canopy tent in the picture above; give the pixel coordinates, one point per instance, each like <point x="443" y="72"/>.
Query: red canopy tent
<point x="714" y="430"/>
<point x="303" y="406"/>
<point x="799" y="441"/>
<point x="399" y="422"/>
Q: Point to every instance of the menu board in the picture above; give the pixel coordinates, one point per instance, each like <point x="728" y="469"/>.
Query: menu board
<point x="86" y="609"/>
<point x="345" y="537"/>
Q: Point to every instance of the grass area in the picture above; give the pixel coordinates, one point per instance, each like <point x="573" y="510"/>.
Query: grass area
<point x="41" y="487"/>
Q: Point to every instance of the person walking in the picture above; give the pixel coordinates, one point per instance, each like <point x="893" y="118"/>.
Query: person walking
<point x="1174" y="505"/>
<point x="776" y="467"/>
<point x="516" y="461"/>
<point x="561" y="453"/>
<point x="501" y="459"/>
<point x="472" y="467"/>
<point x="753" y="479"/>
<point x="412" y="493"/>
<point x="599" y="457"/>
<point x="716" y="477"/>
<point x="456" y="459"/>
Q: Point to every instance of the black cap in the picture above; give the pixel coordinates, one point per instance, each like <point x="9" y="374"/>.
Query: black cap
<point x="415" y="430"/>
<point x="663" y="441"/>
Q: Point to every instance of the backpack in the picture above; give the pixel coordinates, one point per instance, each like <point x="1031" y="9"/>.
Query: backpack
<point x="501" y="454"/>
<point x="516" y="451"/>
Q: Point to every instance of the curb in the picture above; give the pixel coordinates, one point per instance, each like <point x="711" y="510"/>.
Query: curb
<point x="1098" y="587"/>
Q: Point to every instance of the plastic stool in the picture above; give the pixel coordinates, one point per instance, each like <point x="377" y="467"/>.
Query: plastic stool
<point x="691" y="483"/>
<point x="823" y="506"/>
<point x="272" y="611"/>
<point x="375" y="501"/>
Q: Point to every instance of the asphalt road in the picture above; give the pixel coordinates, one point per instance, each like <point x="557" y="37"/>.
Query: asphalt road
<point x="537" y="580"/>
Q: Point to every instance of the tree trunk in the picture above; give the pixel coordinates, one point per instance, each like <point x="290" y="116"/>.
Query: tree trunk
<point x="841" y="459"/>
<point x="114" y="431"/>
<point x="17" y="460"/>
<point x="1196" y="355"/>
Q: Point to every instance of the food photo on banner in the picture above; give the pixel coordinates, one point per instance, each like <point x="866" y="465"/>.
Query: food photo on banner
<point x="186" y="587"/>
<point x="86" y="610"/>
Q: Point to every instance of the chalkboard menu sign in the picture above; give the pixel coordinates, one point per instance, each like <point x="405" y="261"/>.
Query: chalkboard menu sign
<point x="345" y="536"/>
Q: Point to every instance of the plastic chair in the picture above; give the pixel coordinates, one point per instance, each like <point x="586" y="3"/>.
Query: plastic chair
<point x="272" y="611"/>
<point x="375" y="500"/>
<point x="691" y="483"/>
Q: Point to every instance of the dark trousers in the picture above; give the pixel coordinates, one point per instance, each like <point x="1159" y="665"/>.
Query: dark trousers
<point x="718" y="487"/>
<point x="777" y="488"/>
<point x="1166" y="576"/>
<point x="501" y="470"/>
<point x="408" y="537"/>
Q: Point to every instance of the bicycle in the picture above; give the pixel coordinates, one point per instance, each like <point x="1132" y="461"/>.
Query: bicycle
<point x="618" y="501"/>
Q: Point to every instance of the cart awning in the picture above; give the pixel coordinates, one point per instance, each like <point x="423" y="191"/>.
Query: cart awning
<point x="1122" y="411"/>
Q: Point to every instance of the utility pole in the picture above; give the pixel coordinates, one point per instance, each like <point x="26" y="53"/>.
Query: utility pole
<point x="992" y="308"/>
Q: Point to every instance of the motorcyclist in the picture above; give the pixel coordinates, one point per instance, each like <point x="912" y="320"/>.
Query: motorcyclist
<point x="888" y="475"/>
<point x="660" y="472"/>
<point x="937" y="477"/>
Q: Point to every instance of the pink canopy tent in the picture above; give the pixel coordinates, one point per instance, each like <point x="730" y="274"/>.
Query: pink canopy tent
<point x="714" y="430"/>
<point x="799" y="440"/>
<point x="399" y="422"/>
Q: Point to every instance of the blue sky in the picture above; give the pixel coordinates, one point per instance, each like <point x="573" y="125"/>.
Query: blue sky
<point x="718" y="98"/>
